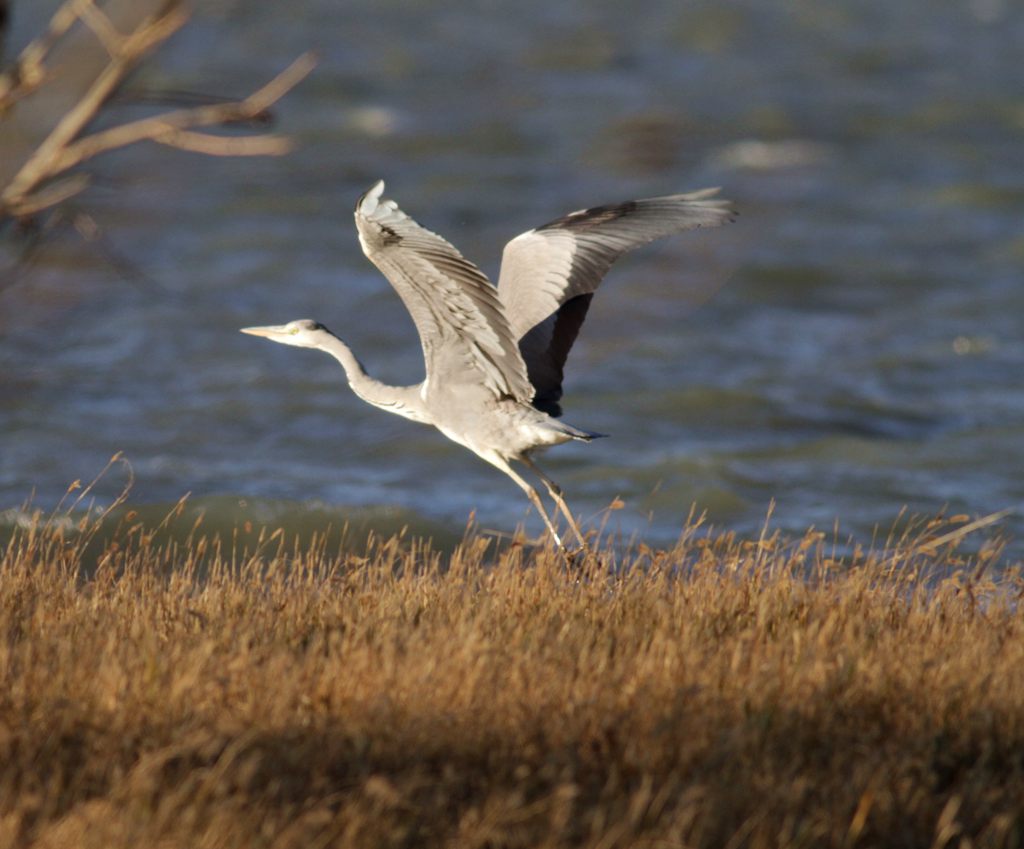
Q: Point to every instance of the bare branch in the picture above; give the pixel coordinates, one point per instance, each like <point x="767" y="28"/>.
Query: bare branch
<point x="45" y="162"/>
<point x="264" y="145"/>
<point x="28" y="71"/>
<point x="53" y="194"/>
<point x="30" y="187"/>
<point x="101" y="26"/>
<point x="161" y="127"/>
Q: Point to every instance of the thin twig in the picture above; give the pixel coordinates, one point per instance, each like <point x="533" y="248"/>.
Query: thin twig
<point x="102" y="27"/>
<point x="42" y="165"/>
<point x="31" y="188"/>
<point x="209" y="145"/>
<point x="29" y="71"/>
<point x="159" y="127"/>
<point x="52" y="194"/>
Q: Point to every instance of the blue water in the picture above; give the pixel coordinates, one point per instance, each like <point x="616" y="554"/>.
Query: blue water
<point x="852" y="346"/>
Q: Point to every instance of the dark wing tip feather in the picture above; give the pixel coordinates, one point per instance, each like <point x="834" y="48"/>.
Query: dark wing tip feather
<point x="547" y="405"/>
<point x="584" y="218"/>
<point x="549" y="274"/>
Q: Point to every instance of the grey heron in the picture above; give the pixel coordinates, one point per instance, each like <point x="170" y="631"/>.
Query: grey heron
<point x="494" y="355"/>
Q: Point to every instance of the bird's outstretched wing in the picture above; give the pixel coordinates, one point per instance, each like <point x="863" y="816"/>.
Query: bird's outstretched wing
<point x="549" y="274"/>
<point x="463" y="329"/>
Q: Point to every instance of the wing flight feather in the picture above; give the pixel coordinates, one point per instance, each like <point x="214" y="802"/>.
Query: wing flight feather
<point x="461" y="321"/>
<point x="549" y="274"/>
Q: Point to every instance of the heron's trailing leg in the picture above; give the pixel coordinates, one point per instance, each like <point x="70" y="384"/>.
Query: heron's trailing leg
<point x="531" y="493"/>
<point x="555" y="491"/>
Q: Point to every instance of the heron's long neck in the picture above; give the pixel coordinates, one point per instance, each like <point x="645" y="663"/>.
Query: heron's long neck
<point x="401" y="400"/>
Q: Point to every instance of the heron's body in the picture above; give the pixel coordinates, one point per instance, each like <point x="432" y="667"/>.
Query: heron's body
<point x="494" y="355"/>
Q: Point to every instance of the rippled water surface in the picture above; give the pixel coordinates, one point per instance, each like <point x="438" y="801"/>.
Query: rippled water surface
<point x="854" y="344"/>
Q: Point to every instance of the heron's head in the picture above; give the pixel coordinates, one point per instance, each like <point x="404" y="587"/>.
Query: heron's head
<point x="304" y="333"/>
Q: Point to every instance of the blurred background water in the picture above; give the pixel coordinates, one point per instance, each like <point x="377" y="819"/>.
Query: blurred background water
<point x="853" y="345"/>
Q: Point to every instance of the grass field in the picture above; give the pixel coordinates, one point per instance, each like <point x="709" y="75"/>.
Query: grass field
<point x="175" y="691"/>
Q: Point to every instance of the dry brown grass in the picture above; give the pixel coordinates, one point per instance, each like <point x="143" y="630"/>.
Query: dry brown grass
<point x="723" y="694"/>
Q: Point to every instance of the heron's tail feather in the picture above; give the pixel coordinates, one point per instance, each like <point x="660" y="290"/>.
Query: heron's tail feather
<point x="582" y="435"/>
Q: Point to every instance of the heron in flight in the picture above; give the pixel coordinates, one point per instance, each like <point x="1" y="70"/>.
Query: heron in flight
<point x="494" y="355"/>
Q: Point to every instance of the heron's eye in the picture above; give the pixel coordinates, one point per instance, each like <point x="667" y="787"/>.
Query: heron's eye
<point x="293" y="330"/>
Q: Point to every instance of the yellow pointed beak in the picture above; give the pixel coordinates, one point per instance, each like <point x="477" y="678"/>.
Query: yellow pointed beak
<point x="272" y="330"/>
